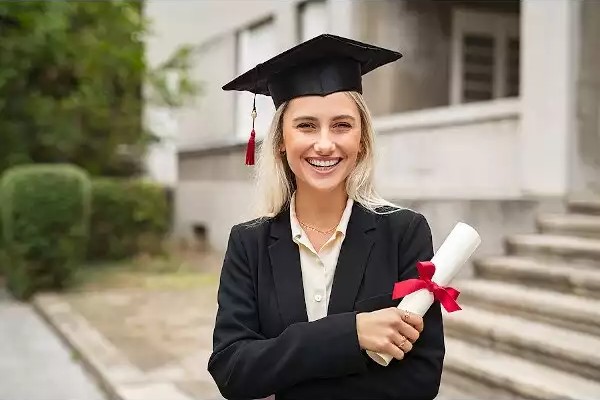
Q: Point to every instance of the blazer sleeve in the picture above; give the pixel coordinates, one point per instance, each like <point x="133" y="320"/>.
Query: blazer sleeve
<point x="418" y="375"/>
<point x="246" y="365"/>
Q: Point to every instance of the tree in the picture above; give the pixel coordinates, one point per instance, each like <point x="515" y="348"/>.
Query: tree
<point x="72" y="78"/>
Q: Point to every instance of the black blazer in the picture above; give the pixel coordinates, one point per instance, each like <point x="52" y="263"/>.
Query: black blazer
<point x="263" y="342"/>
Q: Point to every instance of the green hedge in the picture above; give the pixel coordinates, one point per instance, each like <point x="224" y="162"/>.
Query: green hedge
<point x="128" y="217"/>
<point x="45" y="214"/>
<point x="2" y="255"/>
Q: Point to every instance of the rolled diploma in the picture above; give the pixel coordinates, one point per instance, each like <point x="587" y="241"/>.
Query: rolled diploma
<point x="449" y="259"/>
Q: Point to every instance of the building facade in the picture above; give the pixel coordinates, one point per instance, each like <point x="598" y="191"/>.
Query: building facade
<point x="491" y="116"/>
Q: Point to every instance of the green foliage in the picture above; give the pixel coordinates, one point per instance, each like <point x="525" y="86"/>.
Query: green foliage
<point x="72" y="80"/>
<point x="128" y="217"/>
<point x="45" y="214"/>
<point x="2" y="254"/>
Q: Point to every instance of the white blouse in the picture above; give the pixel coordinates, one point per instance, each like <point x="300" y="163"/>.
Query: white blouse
<point x="318" y="268"/>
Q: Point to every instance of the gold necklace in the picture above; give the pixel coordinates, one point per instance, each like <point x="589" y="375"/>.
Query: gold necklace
<point x="327" y="232"/>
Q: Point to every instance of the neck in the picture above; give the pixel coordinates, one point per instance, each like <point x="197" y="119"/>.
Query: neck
<point x="320" y="209"/>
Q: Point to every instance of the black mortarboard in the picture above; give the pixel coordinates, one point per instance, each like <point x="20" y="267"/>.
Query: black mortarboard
<point x="320" y="66"/>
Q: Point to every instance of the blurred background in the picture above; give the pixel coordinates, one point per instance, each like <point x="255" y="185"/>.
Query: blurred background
<point x="122" y="173"/>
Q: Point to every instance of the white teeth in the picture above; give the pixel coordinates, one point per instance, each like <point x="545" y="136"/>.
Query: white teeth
<point x="323" y="163"/>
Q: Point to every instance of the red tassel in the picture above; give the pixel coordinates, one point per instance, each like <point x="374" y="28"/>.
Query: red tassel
<point x="250" y="148"/>
<point x="252" y="141"/>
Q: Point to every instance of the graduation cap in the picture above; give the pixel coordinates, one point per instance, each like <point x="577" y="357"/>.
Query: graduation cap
<point x="320" y="66"/>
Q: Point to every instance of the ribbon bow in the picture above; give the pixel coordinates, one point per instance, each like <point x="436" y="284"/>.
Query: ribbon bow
<point x="444" y="294"/>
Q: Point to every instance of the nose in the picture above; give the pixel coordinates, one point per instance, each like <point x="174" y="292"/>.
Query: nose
<point x="324" y="144"/>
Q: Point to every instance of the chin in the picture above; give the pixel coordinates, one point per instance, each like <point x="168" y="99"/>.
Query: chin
<point x="324" y="185"/>
<point x="324" y="188"/>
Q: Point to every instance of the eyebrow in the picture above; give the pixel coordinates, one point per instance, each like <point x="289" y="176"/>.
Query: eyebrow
<point x="309" y="118"/>
<point x="304" y="118"/>
<point x="344" y="117"/>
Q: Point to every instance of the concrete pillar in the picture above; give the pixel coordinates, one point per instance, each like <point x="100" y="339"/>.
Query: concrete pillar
<point x="549" y="49"/>
<point x="585" y="174"/>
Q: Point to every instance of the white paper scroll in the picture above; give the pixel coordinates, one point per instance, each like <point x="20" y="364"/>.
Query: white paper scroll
<point x="449" y="259"/>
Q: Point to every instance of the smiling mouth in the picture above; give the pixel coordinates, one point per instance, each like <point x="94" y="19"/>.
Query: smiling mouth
<point x="323" y="165"/>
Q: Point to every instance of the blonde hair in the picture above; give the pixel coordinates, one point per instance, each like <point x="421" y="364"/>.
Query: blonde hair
<point x="275" y="182"/>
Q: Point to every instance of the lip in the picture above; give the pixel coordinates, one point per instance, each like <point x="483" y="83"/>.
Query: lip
<point x="323" y="170"/>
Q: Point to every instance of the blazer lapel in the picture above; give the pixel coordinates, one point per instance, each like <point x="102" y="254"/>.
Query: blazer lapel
<point x="287" y="274"/>
<point x="352" y="261"/>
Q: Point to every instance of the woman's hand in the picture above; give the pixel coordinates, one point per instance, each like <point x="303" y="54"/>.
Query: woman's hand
<point x="389" y="331"/>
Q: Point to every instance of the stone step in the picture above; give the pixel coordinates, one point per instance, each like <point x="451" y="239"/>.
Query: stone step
<point x="561" y="348"/>
<point x="584" y="206"/>
<point x="582" y="225"/>
<point x="555" y="248"/>
<point x="565" y="278"/>
<point x="449" y="391"/>
<point x="514" y="376"/>
<point x="464" y="387"/>
<point x="569" y="311"/>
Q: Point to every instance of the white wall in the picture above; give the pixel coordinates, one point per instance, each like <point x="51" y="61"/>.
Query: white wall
<point x="448" y="157"/>
<point x="210" y="26"/>
<point x="161" y="159"/>
<point x="216" y="205"/>
<point x="462" y="152"/>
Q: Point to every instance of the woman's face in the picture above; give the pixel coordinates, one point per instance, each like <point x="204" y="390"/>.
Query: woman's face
<point x="321" y="138"/>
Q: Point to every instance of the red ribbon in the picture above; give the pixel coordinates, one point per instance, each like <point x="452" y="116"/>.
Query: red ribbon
<point x="444" y="294"/>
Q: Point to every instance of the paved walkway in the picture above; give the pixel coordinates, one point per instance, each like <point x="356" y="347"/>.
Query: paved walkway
<point x="34" y="363"/>
<point x="147" y="344"/>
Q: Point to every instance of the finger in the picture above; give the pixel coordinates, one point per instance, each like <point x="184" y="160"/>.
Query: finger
<point x="408" y="331"/>
<point x="402" y="342"/>
<point x="413" y="319"/>
<point x="405" y="329"/>
<point x="394" y="351"/>
<point x="417" y="323"/>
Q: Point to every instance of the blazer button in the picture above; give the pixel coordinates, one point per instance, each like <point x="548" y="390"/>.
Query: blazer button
<point x="318" y="298"/>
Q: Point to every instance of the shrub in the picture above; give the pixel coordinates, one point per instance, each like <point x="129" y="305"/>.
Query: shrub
<point x="128" y="217"/>
<point x="45" y="214"/>
<point x="74" y="81"/>
<point x="2" y="255"/>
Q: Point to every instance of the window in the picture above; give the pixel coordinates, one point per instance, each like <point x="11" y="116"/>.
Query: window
<point x="485" y="56"/>
<point x="254" y="45"/>
<point x="312" y="19"/>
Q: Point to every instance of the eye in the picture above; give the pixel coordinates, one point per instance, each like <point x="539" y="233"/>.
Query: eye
<point x="305" y="125"/>
<point x="343" y="125"/>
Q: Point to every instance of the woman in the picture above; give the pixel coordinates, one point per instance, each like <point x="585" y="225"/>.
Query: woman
<point x="305" y="291"/>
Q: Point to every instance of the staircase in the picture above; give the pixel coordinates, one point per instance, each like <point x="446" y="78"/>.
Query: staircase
<point x="530" y="325"/>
